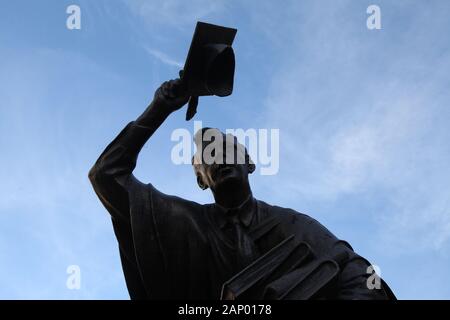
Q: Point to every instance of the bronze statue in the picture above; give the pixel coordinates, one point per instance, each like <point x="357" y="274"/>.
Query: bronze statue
<point x="236" y="248"/>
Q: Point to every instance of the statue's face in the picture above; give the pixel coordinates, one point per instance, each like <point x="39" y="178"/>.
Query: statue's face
<point x="225" y="164"/>
<point x="219" y="176"/>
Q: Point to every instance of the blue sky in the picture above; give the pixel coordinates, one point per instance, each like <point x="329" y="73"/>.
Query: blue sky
<point x="363" y="118"/>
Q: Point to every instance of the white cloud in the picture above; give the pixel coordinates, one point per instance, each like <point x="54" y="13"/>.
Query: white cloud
<point x="365" y="126"/>
<point x="49" y="214"/>
<point x="164" y="58"/>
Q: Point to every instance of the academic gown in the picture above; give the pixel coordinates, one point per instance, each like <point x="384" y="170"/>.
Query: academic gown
<point x="172" y="248"/>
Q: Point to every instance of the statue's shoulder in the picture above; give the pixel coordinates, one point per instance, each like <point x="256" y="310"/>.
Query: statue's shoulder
<point x="304" y="226"/>
<point x="158" y="202"/>
<point x="283" y="213"/>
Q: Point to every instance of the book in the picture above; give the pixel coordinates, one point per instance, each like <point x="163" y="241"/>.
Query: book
<point x="250" y="283"/>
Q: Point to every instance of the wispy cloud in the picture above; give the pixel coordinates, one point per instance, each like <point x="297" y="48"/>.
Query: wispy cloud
<point x="49" y="215"/>
<point x="363" y="118"/>
<point x="164" y="58"/>
<point x="360" y="130"/>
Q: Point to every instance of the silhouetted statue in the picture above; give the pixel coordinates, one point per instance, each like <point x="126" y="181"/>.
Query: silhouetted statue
<point x="236" y="248"/>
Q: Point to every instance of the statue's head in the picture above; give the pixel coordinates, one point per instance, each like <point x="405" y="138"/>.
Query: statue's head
<point x="220" y="162"/>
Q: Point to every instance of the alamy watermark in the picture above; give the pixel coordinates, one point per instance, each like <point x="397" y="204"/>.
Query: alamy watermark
<point x="374" y="280"/>
<point x="374" y="20"/>
<point x="73" y="21"/>
<point x="73" y="281"/>
<point x="263" y="146"/>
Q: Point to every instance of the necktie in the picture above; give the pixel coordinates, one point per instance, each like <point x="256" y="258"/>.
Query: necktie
<point x="245" y="247"/>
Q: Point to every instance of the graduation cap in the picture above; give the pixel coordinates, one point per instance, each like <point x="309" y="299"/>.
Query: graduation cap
<point x="209" y="67"/>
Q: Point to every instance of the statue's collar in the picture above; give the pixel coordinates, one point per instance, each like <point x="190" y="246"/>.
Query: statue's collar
<point x="244" y="212"/>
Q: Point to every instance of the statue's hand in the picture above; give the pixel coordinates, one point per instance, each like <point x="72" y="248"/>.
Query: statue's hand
<point x="171" y="95"/>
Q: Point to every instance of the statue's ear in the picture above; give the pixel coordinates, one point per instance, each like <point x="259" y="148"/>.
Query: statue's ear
<point x="201" y="183"/>
<point x="251" y="167"/>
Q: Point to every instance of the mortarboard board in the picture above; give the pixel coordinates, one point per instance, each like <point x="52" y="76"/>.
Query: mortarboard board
<point x="210" y="63"/>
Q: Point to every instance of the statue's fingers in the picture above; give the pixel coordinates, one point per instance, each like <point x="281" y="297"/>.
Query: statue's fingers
<point x="179" y="88"/>
<point x="171" y="89"/>
<point x="164" y="88"/>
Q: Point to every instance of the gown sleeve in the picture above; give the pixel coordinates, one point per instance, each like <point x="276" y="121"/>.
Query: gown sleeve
<point x="149" y="225"/>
